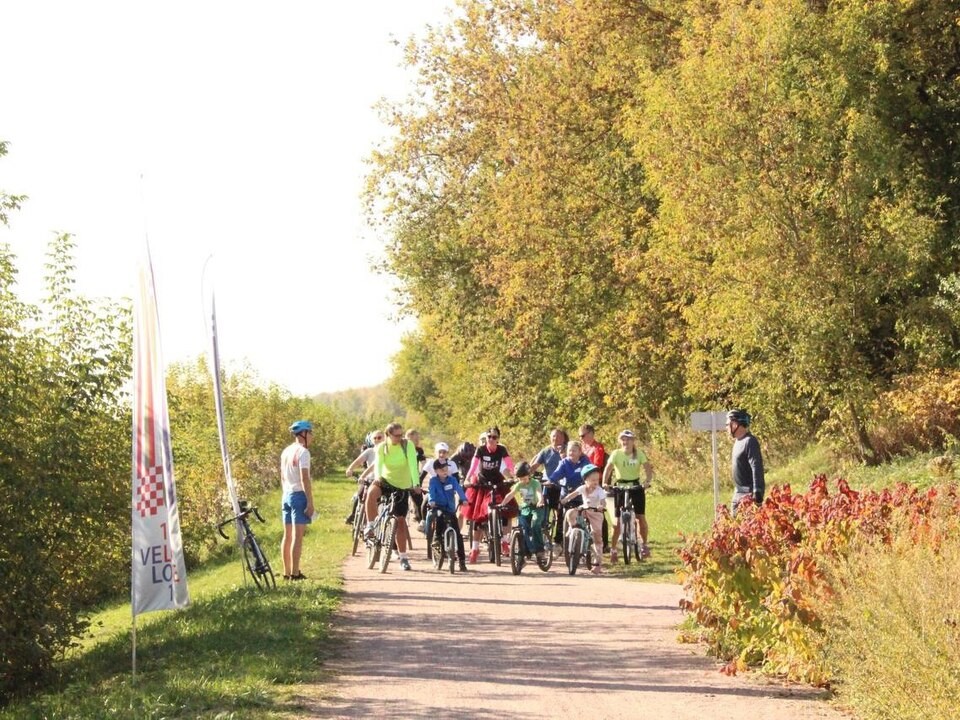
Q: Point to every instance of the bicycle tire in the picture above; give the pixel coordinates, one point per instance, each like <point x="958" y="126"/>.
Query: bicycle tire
<point x="386" y="547"/>
<point x="516" y="553"/>
<point x="548" y="550"/>
<point x="358" y="523"/>
<point x="626" y="540"/>
<point x="263" y="565"/>
<point x="373" y="552"/>
<point x="436" y="552"/>
<point x="497" y="529"/>
<point x="429" y="521"/>
<point x="574" y="547"/>
<point x="250" y="564"/>
<point x="450" y="546"/>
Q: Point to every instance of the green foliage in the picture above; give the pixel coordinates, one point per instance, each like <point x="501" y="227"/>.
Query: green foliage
<point x="257" y="418"/>
<point x="64" y="465"/>
<point x="759" y="584"/>
<point x="235" y="652"/>
<point x="615" y="210"/>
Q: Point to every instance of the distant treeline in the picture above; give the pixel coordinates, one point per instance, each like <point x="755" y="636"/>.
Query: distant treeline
<point x="620" y="210"/>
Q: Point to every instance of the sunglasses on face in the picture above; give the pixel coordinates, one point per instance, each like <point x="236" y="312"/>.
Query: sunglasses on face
<point x="492" y="437"/>
<point x="396" y="435"/>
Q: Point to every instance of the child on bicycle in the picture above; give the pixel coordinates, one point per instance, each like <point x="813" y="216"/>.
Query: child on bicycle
<point x="529" y="496"/>
<point x="443" y="492"/>
<point x="595" y="503"/>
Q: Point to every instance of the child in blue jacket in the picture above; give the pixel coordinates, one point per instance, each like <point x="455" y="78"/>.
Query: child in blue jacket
<point x="443" y="493"/>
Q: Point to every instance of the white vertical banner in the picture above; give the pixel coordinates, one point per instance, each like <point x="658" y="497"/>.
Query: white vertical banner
<point x="159" y="575"/>
<point x="218" y="400"/>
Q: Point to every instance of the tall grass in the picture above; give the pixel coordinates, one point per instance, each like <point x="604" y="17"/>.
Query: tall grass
<point x="235" y="652"/>
<point x="893" y="633"/>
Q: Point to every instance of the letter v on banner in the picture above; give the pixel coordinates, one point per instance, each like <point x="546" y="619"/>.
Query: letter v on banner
<point x="158" y="576"/>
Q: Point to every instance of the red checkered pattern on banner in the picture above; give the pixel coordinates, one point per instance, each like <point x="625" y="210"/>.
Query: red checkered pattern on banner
<point x="150" y="491"/>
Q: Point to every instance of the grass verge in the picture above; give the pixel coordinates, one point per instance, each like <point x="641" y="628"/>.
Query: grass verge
<point x="668" y="517"/>
<point x="235" y="652"/>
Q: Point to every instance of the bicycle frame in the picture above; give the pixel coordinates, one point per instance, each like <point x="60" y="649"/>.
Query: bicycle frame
<point x="254" y="560"/>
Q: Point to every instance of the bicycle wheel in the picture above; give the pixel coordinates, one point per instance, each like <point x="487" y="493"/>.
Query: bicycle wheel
<point x="263" y="565"/>
<point x="373" y="552"/>
<point x="516" y="553"/>
<point x="626" y="538"/>
<point x="574" y="546"/>
<point x="429" y="519"/>
<point x="358" y="523"/>
<point x="450" y="546"/>
<point x="497" y="539"/>
<point x="249" y="561"/>
<point x="546" y="561"/>
<point x="436" y="551"/>
<point x="386" y="547"/>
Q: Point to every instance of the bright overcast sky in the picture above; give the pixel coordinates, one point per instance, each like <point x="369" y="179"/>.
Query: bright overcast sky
<point x="249" y="123"/>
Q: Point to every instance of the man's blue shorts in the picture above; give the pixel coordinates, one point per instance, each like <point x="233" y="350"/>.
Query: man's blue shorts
<point x="294" y="508"/>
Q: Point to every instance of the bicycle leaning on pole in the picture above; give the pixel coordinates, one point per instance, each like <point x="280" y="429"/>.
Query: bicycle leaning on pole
<point x="254" y="560"/>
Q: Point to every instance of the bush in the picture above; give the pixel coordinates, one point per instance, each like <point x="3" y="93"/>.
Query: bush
<point x="920" y="413"/>
<point x="64" y="468"/>
<point x="893" y="630"/>
<point x="757" y="584"/>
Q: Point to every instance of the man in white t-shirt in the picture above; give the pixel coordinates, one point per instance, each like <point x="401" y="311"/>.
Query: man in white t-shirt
<point x="297" y="506"/>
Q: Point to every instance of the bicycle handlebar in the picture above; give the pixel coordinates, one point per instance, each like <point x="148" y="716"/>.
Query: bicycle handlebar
<point x="242" y="516"/>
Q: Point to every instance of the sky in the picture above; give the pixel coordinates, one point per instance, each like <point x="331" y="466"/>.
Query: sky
<point x="232" y="130"/>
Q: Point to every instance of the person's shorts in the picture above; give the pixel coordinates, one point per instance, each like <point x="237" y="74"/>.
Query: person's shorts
<point x="401" y="498"/>
<point x="637" y="497"/>
<point x="294" y="508"/>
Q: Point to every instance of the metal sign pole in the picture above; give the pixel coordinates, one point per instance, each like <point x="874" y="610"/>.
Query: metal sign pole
<point x="716" y="472"/>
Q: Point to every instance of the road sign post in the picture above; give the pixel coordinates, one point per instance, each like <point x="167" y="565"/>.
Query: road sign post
<point x="711" y="422"/>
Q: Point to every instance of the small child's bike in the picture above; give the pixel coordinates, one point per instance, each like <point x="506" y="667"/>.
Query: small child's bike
<point x="520" y="553"/>
<point x="442" y="547"/>
<point x="579" y="541"/>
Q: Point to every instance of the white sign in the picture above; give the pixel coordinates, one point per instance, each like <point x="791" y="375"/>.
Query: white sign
<point x="708" y="421"/>
<point x="711" y="422"/>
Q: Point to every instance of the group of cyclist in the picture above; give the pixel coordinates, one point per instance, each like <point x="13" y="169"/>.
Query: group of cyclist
<point x="573" y="473"/>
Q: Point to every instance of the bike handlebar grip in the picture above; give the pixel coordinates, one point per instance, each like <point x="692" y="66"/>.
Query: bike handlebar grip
<point x="257" y="513"/>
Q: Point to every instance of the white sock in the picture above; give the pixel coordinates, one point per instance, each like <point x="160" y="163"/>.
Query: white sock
<point x="475" y="545"/>
<point x="403" y="556"/>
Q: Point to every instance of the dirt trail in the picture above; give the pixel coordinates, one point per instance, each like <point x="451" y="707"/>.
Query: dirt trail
<point x="487" y="644"/>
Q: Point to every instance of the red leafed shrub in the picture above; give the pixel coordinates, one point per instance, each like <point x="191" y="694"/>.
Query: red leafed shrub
<point x="756" y="584"/>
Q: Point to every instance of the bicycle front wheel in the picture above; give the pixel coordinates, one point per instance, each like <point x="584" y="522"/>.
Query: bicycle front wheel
<point x="574" y="547"/>
<point x="436" y="551"/>
<point x="389" y="538"/>
<point x="358" y="523"/>
<point x="516" y="553"/>
<point x="497" y="537"/>
<point x="250" y="563"/>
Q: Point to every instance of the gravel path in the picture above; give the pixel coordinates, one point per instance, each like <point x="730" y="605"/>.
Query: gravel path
<point x="487" y="644"/>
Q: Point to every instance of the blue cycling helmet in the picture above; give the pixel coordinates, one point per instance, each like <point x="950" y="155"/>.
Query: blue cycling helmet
<point x="301" y="426"/>
<point x="587" y="469"/>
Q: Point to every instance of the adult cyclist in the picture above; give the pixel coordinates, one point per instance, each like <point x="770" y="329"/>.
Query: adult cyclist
<point x="397" y="472"/>
<point x="484" y="477"/>
<point x="624" y="468"/>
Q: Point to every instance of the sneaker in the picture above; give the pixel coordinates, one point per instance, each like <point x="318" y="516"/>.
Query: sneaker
<point x="613" y="555"/>
<point x="504" y="548"/>
<point x="422" y="527"/>
<point x="474" y="554"/>
<point x="596" y="570"/>
<point x="405" y="564"/>
<point x="368" y="531"/>
<point x="298" y="576"/>
<point x="644" y="551"/>
<point x="541" y="556"/>
<point x="463" y="565"/>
